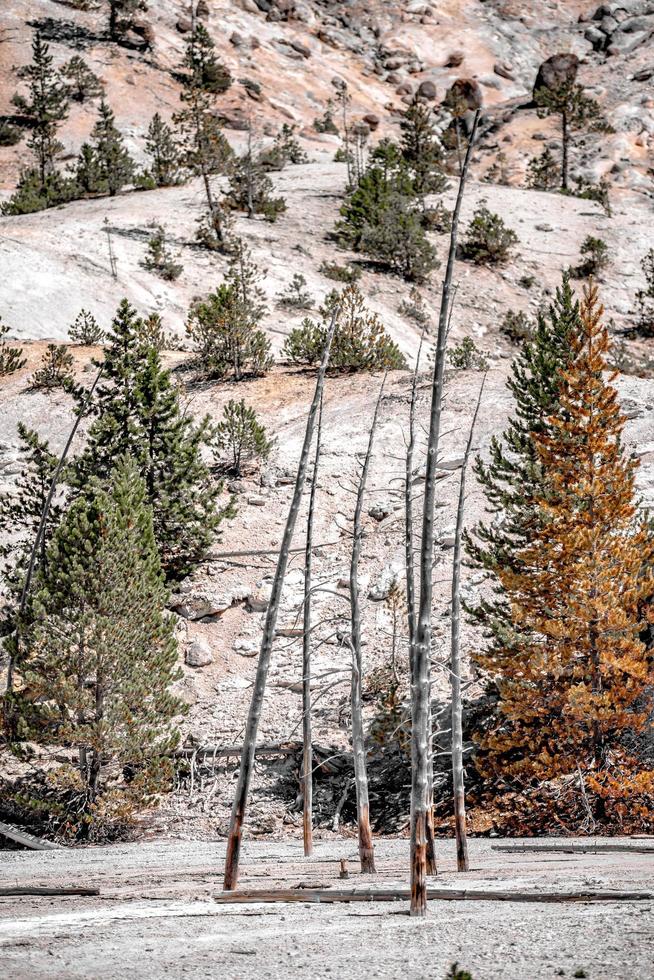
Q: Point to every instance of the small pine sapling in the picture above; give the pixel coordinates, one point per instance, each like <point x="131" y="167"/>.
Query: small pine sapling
<point x="241" y="436"/>
<point x="594" y="258"/>
<point x="488" y="240"/>
<point x="466" y="356"/>
<point x="159" y="258"/>
<point x="325" y="123"/>
<point x="644" y="326"/>
<point x="164" y="152"/>
<point x="516" y="326"/>
<point x="285" y="149"/>
<point x="152" y="334"/>
<point x="414" y="308"/>
<point x="11" y="358"/>
<point x="82" y="84"/>
<point x="86" y="330"/>
<point x="56" y="369"/>
<point x="543" y="172"/>
<point x="296" y="297"/>
<point x="340" y="273"/>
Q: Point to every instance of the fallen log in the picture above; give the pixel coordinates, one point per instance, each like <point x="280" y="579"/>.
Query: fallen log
<point x="265" y="748"/>
<point x="15" y="890"/>
<point x="27" y="840"/>
<point x="578" y="847"/>
<point x="332" y="895"/>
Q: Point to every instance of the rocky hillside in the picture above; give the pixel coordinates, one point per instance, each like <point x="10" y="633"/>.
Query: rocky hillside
<point x="54" y="262"/>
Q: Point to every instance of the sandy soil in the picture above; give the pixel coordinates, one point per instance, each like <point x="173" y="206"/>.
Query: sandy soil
<point x="155" y="917"/>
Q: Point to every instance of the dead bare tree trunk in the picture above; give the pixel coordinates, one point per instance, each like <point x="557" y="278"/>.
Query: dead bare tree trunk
<point x="411" y="588"/>
<point x="307" y="748"/>
<point x="366" y="850"/>
<point x="256" y="704"/>
<point x="455" y="663"/>
<point x="420" y="687"/>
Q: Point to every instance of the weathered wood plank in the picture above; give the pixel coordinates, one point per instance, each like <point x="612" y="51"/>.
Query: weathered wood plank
<point x="17" y="890"/>
<point x="576" y="847"/>
<point x="28" y="840"/>
<point x="433" y="894"/>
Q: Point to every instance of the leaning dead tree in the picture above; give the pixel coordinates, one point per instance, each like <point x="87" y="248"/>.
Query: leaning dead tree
<point x="258" y="693"/>
<point x="420" y="682"/>
<point x="366" y="849"/>
<point x="307" y="747"/>
<point x="455" y="661"/>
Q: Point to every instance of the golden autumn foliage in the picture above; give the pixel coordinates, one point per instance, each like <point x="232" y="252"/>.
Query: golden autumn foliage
<point x="576" y="690"/>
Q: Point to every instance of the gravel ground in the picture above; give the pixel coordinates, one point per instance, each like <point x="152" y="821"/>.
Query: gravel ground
<point x="155" y="917"/>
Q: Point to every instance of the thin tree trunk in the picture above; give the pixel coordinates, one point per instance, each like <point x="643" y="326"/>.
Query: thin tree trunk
<point x="250" y="203"/>
<point x="411" y="590"/>
<point x="420" y="688"/>
<point x="457" y="130"/>
<point x="256" y="704"/>
<point x="565" y="139"/>
<point x="307" y="747"/>
<point x="455" y="664"/>
<point x="366" y="850"/>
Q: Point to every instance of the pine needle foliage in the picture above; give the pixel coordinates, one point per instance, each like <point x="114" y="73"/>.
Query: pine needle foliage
<point x="56" y="370"/>
<point x="159" y="258"/>
<point x="104" y="165"/>
<point x="576" y="690"/>
<point x="241" y="436"/>
<point x="360" y="342"/>
<point x="102" y="656"/>
<point x="164" y="152"/>
<point x="11" y="358"/>
<point x="224" y="326"/>
<point x="86" y="330"/>
<point x="488" y="240"/>
<point x="136" y="411"/>
<point x="513" y="478"/>
<point x="82" y="83"/>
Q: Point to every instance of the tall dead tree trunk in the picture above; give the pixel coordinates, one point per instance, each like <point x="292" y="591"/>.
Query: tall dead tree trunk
<point x="455" y="662"/>
<point x="366" y="850"/>
<point x="256" y="704"/>
<point x="307" y="748"/>
<point x="411" y="587"/>
<point x="420" y="687"/>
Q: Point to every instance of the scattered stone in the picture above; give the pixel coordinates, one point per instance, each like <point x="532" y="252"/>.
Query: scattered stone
<point x="257" y="501"/>
<point x="202" y="10"/>
<point x="372" y="121"/>
<point x="387" y="578"/>
<point x="450" y="463"/>
<point x="454" y="59"/>
<point x="427" y="90"/>
<point x="256" y="603"/>
<point x="247" y="648"/>
<point x="379" y="511"/>
<point x="301" y="49"/>
<point x="559" y="68"/>
<point x="406" y="88"/>
<point x="467" y="90"/>
<point x="184" y="25"/>
<point x="503" y="70"/>
<point x="198" y="654"/>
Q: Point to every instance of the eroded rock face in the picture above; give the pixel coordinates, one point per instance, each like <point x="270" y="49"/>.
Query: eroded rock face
<point x="557" y="70"/>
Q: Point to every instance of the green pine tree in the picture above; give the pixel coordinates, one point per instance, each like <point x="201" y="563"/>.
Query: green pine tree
<point x="421" y="150"/>
<point x="82" y="83"/>
<point x="113" y="165"/>
<point x="102" y="657"/>
<point x="225" y="326"/>
<point x="45" y="107"/>
<point x="161" y="146"/>
<point x="11" y="358"/>
<point x="240" y="434"/>
<point x="136" y="411"/>
<point x="513" y="480"/>
<point x="576" y="111"/>
<point x="202" y="65"/>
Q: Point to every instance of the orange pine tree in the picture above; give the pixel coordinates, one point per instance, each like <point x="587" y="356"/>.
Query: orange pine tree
<point x="580" y="692"/>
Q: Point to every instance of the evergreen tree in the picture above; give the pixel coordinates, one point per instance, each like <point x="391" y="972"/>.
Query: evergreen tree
<point x="201" y="63"/>
<point x="113" y="167"/>
<point x="164" y="152"/>
<point x="83" y="84"/>
<point x="576" y="110"/>
<point x="250" y="188"/>
<point x="56" y="370"/>
<point x="45" y="107"/>
<point x="241" y="435"/>
<point x="136" y="411"/>
<point x="360" y="342"/>
<point x="159" y="258"/>
<point x="513" y="479"/>
<point x="225" y="326"/>
<point x="397" y="239"/>
<point x="86" y="330"/>
<point x="11" y="358"/>
<point x="421" y="150"/>
<point x="102" y="655"/>
<point x="543" y="172"/>
<point x="577" y="687"/>
<point x="488" y="241"/>
<point x="205" y="151"/>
